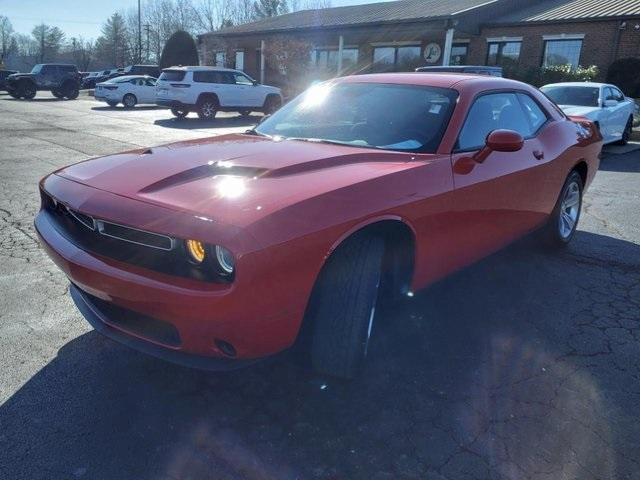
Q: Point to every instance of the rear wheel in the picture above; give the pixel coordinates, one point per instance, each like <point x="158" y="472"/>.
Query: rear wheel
<point x="70" y="90"/>
<point x="129" y="100"/>
<point x="564" y="219"/>
<point x="343" y="305"/>
<point x="207" y="108"/>
<point x="178" y="113"/>
<point x="56" y="94"/>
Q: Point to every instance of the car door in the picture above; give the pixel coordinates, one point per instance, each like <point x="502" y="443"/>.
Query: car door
<point x="619" y="114"/>
<point x="506" y="195"/>
<point x="249" y="94"/>
<point x="47" y="76"/>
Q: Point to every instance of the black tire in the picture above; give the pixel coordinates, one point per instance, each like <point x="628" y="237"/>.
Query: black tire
<point x="57" y="94"/>
<point x="271" y="104"/>
<point x="27" y="90"/>
<point x="178" y="113"/>
<point x="14" y="94"/>
<point x="556" y="232"/>
<point x="129" y="100"/>
<point x="112" y="104"/>
<point x="626" y="135"/>
<point x="342" y="307"/>
<point x="207" y="108"/>
<point x="245" y="113"/>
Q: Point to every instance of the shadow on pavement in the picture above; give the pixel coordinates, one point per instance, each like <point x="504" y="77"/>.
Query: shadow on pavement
<point x="190" y="123"/>
<point x="121" y="108"/>
<point x="620" y="163"/>
<point x="500" y="371"/>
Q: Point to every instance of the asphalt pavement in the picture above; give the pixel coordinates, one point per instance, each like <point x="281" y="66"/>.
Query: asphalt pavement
<point x="524" y="366"/>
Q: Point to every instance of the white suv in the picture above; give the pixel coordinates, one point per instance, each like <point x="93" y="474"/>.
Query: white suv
<point x="207" y="90"/>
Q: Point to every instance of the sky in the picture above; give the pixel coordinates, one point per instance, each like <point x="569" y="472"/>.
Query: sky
<point x="80" y="17"/>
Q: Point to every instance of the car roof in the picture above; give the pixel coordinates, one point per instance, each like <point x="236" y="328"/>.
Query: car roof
<point x="130" y="77"/>
<point x="458" y="81"/>
<point x="578" y="84"/>
<point x="200" y="68"/>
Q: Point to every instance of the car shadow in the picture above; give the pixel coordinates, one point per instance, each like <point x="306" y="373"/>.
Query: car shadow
<point x="48" y="99"/>
<point x="625" y="163"/>
<point x="119" y="108"/>
<point x="191" y="123"/>
<point x="487" y="374"/>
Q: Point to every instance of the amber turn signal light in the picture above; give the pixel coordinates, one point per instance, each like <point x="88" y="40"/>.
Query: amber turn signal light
<point x="196" y="250"/>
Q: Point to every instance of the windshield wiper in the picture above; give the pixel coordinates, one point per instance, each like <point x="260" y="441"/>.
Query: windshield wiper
<point x="324" y="140"/>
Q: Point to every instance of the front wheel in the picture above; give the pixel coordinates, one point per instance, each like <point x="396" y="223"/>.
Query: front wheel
<point x="27" y="91"/>
<point x="563" y="222"/>
<point x="57" y="94"/>
<point x="129" y="100"/>
<point x="626" y="135"/>
<point x="179" y="113"/>
<point x="207" y="109"/>
<point x="343" y="306"/>
<point x="271" y="104"/>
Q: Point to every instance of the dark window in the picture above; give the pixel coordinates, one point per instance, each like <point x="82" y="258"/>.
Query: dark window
<point x="172" y="75"/>
<point x="612" y="93"/>
<point x="501" y="53"/>
<point x="48" y="69"/>
<point x="459" y="52"/>
<point x="562" y="52"/>
<point x="492" y="112"/>
<point x="67" y="68"/>
<point x="573" y="95"/>
<point x="241" y="79"/>
<point x="396" y="59"/>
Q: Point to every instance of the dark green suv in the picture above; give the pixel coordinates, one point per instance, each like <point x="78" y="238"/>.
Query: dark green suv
<point x="62" y="80"/>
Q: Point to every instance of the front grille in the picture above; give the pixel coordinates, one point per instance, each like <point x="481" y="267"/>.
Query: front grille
<point x="136" y="323"/>
<point x="125" y="244"/>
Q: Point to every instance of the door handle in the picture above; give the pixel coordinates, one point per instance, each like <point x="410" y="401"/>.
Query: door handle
<point x="539" y="154"/>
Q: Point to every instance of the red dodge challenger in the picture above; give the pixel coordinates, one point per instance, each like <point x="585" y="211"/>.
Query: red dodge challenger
<point x="216" y="252"/>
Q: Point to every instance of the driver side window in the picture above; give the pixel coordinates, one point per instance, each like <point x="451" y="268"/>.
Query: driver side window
<point x="492" y="112"/>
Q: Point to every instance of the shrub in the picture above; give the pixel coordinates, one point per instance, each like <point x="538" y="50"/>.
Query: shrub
<point x="180" y="49"/>
<point x="623" y="73"/>
<point x="538" y="76"/>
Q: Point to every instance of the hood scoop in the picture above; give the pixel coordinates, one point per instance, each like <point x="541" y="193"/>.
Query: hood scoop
<point x="209" y="170"/>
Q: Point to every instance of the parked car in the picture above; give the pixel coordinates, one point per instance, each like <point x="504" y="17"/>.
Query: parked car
<point x="90" y="80"/>
<point x="129" y="90"/>
<point x="477" y="69"/>
<point x="62" y="80"/>
<point x="602" y="103"/>
<point x="216" y="252"/>
<point x="3" y="78"/>
<point x="150" y="70"/>
<point x="208" y="90"/>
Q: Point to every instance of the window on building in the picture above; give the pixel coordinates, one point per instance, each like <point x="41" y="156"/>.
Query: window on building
<point x="562" y="52"/>
<point x="219" y="59"/>
<point x="239" y="61"/>
<point x="397" y="59"/>
<point x="327" y="58"/>
<point x="459" y="52"/>
<point x="501" y="53"/>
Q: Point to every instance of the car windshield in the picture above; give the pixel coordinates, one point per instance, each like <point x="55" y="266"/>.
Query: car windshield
<point x="366" y="115"/>
<point x="573" y="95"/>
<point x="36" y="68"/>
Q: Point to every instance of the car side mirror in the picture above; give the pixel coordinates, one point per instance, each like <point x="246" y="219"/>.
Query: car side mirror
<point x="610" y="103"/>
<point x="500" y="141"/>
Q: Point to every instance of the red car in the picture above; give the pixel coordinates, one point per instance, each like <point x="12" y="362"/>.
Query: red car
<point x="217" y="252"/>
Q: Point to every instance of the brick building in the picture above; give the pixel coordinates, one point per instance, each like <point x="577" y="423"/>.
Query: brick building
<point x="401" y="35"/>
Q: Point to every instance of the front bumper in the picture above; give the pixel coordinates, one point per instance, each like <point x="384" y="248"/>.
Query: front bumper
<point x="202" y="312"/>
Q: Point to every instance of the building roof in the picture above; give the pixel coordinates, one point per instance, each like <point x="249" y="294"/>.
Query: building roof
<point x="374" y="13"/>
<point x="567" y="10"/>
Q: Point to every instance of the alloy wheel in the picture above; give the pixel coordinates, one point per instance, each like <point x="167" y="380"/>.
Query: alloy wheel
<point x="569" y="210"/>
<point x="208" y="109"/>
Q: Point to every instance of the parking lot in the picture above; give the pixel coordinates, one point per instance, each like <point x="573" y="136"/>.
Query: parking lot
<point x="524" y="366"/>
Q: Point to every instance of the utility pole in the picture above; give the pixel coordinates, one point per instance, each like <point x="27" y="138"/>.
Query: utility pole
<point x="42" y="43"/>
<point x="147" y="29"/>
<point x="139" y="34"/>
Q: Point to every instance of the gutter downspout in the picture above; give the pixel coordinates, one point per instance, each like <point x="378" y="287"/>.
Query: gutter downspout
<point x="262" y="61"/>
<point x="340" y="49"/>
<point x="448" y="45"/>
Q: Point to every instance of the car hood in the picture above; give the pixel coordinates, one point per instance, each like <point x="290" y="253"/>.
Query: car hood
<point x="579" y="111"/>
<point x="235" y="179"/>
<point x="15" y="76"/>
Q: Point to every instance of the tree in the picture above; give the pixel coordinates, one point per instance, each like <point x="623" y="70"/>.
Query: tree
<point x="6" y="37"/>
<point x="49" y="39"/>
<point x="179" y="50"/>
<point x="112" y="44"/>
<point x="269" y="8"/>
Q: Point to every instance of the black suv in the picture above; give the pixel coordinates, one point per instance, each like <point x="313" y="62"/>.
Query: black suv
<point x="62" y="80"/>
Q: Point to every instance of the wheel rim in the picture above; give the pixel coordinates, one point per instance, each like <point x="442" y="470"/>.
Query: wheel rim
<point x="569" y="210"/>
<point x="208" y="109"/>
<point x="129" y="101"/>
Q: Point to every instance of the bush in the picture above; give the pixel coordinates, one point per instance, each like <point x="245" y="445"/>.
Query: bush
<point x="538" y="76"/>
<point x="180" y="49"/>
<point x="623" y="73"/>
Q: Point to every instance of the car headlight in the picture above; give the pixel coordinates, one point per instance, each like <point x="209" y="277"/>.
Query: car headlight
<point x="196" y="251"/>
<point x="225" y="259"/>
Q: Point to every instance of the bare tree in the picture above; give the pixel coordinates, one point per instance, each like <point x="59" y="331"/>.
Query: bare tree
<point x="6" y="37"/>
<point x="269" y="8"/>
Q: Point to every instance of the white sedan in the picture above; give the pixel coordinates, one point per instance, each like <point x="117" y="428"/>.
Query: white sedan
<point x="129" y="90"/>
<point x="601" y="103"/>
